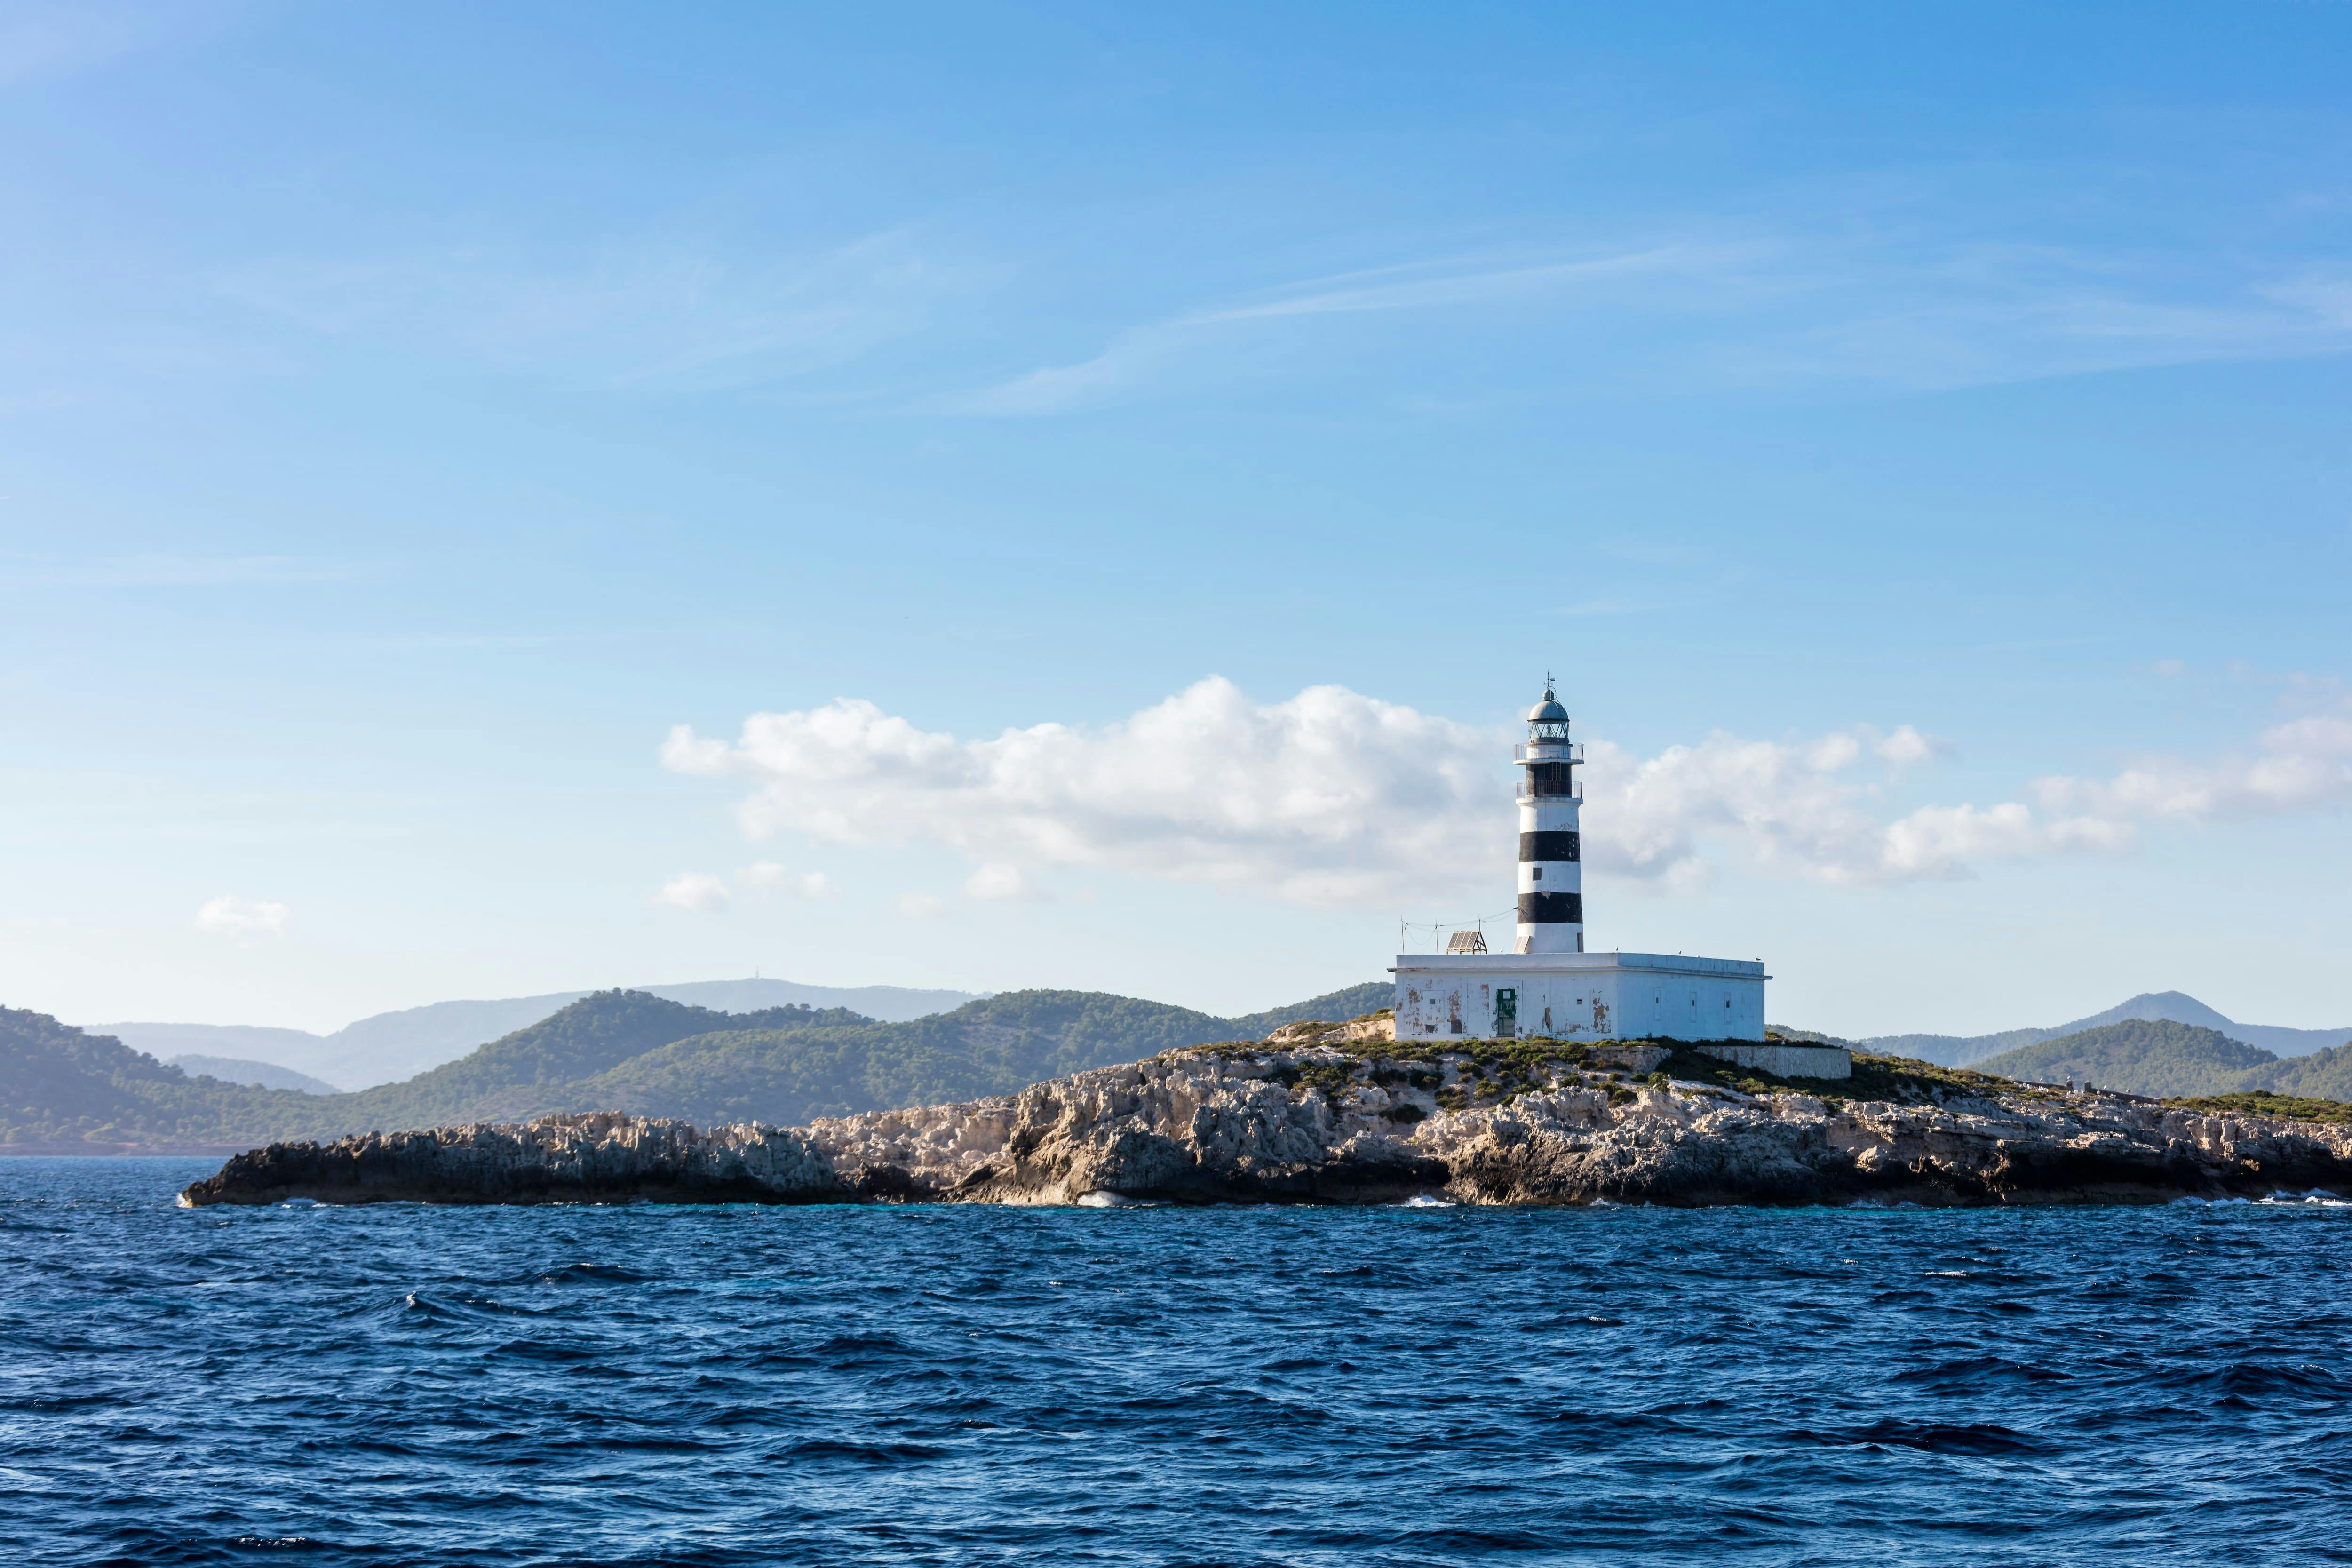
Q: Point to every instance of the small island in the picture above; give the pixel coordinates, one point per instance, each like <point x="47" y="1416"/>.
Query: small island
<point x="1342" y="1113"/>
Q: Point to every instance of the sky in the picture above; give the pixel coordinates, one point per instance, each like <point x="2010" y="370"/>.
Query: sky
<point x="504" y="500"/>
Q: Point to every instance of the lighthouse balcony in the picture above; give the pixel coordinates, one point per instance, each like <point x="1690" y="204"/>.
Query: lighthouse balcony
<point x="1538" y="785"/>
<point x="1570" y="753"/>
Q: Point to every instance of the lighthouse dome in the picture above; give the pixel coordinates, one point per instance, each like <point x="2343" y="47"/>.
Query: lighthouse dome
<point x="1547" y="711"/>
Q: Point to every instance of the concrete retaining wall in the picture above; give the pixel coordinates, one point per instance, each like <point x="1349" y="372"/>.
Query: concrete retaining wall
<point x="1786" y="1061"/>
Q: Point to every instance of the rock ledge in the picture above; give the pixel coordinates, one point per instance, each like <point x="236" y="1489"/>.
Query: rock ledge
<point x="1352" y="1123"/>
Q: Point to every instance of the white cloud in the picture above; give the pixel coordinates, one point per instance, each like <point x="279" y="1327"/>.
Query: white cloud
<point x="921" y="906"/>
<point x="1906" y="747"/>
<point x="1791" y="808"/>
<point x="696" y="890"/>
<point x="1001" y="879"/>
<point x="769" y="877"/>
<point x="231" y="916"/>
<point x="1337" y="799"/>
<point x="1326" y="798"/>
<point x="2304" y="766"/>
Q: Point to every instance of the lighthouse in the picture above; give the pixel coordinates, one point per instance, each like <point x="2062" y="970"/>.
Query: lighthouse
<point x="1548" y="985"/>
<point x="1552" y="870"/>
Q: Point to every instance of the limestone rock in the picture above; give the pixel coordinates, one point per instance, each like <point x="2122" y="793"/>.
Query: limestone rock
<point x="1380" y="1026"/>
<point x="1314" y="1122"/>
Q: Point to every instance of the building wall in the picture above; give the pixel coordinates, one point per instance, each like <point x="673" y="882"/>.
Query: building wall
<point x="1591" y="996"/>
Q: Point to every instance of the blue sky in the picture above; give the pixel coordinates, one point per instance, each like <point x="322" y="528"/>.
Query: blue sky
<point x="1916" y="440"/>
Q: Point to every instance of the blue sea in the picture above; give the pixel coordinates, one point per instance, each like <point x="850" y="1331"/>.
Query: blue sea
<point x="1424" y="1385"/>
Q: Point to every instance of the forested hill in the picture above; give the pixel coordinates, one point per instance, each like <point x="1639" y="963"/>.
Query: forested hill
<point x="1973" y="1050"/>
<point x="2151" y="1056"/>
<point x="570" y="1044"/>
<point x="1336" y="1006"/>
<point x="619" y="1050"/>
<point x="62" y="1088"/>
<point x="2161" y="1058"/>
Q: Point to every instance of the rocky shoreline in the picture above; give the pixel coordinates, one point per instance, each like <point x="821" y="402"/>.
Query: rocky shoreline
<point x="1337" y="1118"/>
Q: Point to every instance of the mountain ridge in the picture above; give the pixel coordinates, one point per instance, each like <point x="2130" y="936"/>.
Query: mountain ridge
<point x="254" y="1075"/>
<point x="391" y="1047"/>
<point x="2174" y="1007"/>
<point x="2164" y="1058"/>
<point x="65" y="1089"/>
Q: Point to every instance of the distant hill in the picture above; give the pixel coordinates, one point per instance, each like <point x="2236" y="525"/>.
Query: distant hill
<point x="2145" y="1056"/>
<point x="62" y="1089"/>
<point x="260" y="1075"/>
<point x="1332" y="1007"/>
<point x="620" y="1050"/>
<point x="391" y="1047"/>
<point x="225" y="1042"/>
<point x="1972" y="1051"/>
<point x="542" y="1068"/>
<point x="2322" y="1075"/>
<point x="2164" y="1058"/>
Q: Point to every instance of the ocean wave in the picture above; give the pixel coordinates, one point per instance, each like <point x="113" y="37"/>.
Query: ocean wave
<point x="1278" y="1383"/>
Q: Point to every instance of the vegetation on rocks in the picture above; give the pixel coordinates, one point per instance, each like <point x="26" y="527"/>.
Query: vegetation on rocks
<point x="1320" y="1124"/>
<point x="2261" y="1102"/>
<point x="630" y="1052"/>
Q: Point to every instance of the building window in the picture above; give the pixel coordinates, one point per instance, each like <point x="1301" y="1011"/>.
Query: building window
<point x="1538" y="874"/>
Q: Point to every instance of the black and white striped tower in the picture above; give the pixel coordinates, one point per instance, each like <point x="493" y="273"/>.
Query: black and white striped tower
<point x="1552" y="872"/>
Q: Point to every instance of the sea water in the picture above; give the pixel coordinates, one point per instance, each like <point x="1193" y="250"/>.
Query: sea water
<point x="1137" y="1384"/>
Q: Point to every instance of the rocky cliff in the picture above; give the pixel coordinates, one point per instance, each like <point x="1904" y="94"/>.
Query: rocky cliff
<point x="1355" y="1120"/>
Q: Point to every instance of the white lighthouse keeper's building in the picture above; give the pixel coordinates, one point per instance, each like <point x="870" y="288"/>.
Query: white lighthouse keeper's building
<point x="1549" y="985"/>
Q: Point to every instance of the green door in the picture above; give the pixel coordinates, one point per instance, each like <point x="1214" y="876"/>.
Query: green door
<point x="1507" y="1015"/>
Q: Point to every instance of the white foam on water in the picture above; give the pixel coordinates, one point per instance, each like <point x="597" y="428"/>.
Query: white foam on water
<point x="2318" y="1197"/>
<point x="1426" y="1201"/>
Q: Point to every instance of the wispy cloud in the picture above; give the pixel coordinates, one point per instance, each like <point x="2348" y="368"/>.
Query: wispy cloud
<point x="1762" y="311"/>
<point x="1438" y="284"/>
<point x="2302" y="765"/>
<point x="170" y="571"/>
<point x="1418" y="286"/>
<point x="667" y="315"/>
<point x="42" y="37"/>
